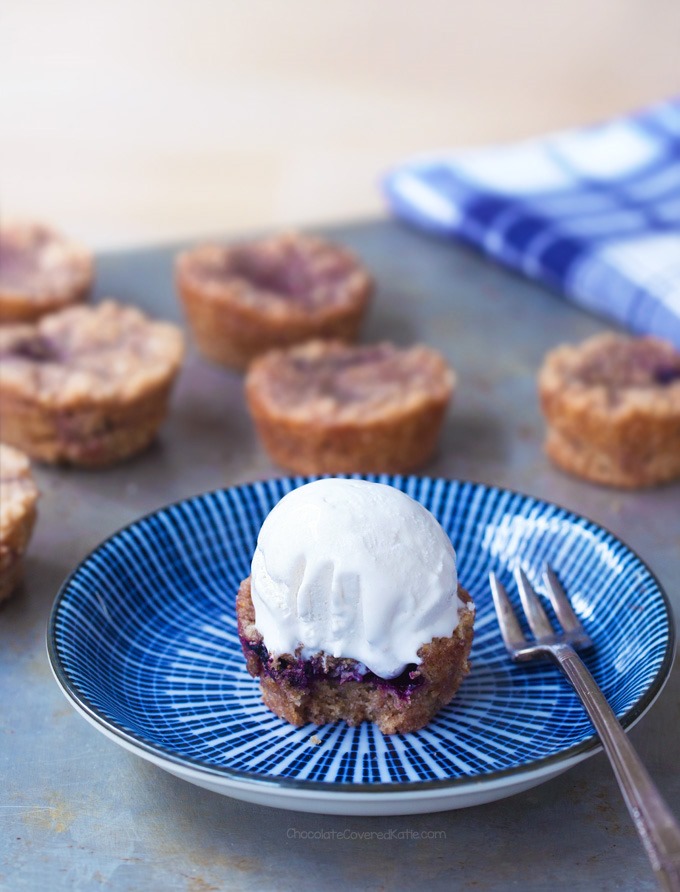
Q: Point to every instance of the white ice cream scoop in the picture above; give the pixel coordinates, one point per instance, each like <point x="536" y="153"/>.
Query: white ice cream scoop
<point x="354" y="569"/>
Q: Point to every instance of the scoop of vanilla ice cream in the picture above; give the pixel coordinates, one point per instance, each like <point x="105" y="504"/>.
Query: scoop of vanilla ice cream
<point x="354" y="569"/>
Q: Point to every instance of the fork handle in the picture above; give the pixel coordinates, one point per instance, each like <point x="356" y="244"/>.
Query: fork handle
<point x="654" y="822"/>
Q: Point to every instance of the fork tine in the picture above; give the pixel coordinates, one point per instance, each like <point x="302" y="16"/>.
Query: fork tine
<point x="561" y="604"/>
<point x="536" y="616"/>
<point x="511" y="631"/>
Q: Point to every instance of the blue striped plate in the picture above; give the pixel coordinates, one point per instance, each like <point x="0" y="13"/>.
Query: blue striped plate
<point x="142" y="640"/>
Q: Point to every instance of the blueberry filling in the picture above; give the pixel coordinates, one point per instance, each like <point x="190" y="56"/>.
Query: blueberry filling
<point x="305" y="673"/>
<point x="37" y="349"/>
<point x="287" y="272"/>
<point x="287" y="277"/>
<point x="667" y="374"/>
<point x="637" y="364"/>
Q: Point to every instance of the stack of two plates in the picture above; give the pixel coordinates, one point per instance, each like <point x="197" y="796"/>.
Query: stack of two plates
<point x="143" y="641"/>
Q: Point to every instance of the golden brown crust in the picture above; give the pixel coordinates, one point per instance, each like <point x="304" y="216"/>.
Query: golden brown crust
<point x="40" y="271"/>
<point x="612" y="405"/>
<point x="18" y="498"/>
<point x="240" y="301"/>
<point x="444" y="665"/>
<point x="329" y="408"/>
<point x="87" y="386"/>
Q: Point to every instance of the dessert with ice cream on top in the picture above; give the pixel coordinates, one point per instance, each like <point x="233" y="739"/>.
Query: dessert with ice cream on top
<point x="353" y="608"/>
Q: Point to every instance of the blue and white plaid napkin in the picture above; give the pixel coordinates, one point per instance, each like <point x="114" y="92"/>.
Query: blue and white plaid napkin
<point x="593" y="212"/>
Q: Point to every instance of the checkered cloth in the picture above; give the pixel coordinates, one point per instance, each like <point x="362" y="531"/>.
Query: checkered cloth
<point x="592" y="212"/>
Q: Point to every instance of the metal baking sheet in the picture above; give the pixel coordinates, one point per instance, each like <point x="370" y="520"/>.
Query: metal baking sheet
<point x="80" y="813"/>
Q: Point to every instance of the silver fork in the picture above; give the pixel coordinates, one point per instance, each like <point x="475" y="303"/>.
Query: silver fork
<point x="654" y="822"/>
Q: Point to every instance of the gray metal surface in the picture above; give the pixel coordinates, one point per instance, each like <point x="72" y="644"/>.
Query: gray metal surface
<point x="78" y="812"/>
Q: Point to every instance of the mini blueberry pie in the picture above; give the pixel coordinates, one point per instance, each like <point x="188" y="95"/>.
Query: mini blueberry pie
<point x="88" y="385"/>
<point x="243" y="299"/>
<point x="327" y="408"/>
<point x="40" y="271"/>
<point x="353" y="609"/>
<point x="612" y="405"/>
<point x="18" y="497"/>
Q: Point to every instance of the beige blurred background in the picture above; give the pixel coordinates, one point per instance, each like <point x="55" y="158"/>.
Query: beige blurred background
<point x="138" y="121"/>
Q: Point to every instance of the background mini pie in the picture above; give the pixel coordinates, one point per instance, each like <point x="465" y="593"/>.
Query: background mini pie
<point x="244" y="299"/>
<point x="40" y="271"/>
<point x="612" y="405"/>
<point x="18" y="497"/>
<point x="328" y="407"/>
<point x="88" y="385"/>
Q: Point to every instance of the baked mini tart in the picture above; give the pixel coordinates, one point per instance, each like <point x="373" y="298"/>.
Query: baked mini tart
<point x="243" y="299"/>
<point x="87" y="386"/>
<point x="18" y="498"/>
<point x="41" y="271"/>
<point x="612" y="404"/>
<point x="326" y="689"/>
<point x="328" y="408"/>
